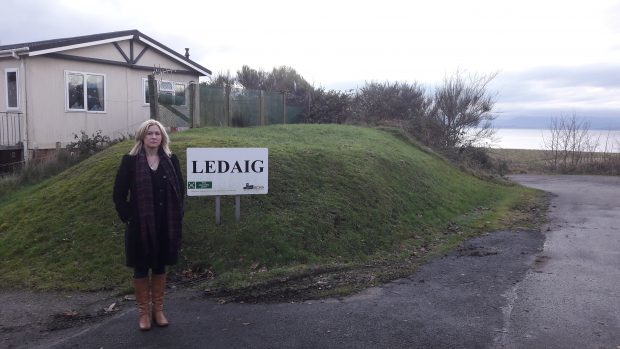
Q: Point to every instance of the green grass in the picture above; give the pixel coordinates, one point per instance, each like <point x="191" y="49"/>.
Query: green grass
<point x="338" y="195"/>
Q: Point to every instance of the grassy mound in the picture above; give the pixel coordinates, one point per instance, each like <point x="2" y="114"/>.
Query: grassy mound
<point x="337" y="195"/>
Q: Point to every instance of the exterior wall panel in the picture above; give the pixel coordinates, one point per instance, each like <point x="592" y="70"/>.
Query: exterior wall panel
<point x="49" y="122"/>
<point x="152" y="58"/>
<point x="106" y="51"/>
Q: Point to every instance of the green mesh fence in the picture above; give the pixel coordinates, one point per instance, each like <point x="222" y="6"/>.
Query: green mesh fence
<point x="173" y="109"/>
<point x="244" y="107"/>
<point x="213" y="109"/>
<point x="293" y="114"/>
<point x="174" y="116"/>
<point x="273" y="108"/>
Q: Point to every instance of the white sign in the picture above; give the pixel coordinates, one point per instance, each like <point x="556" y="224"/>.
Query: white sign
<point x="227" y="171"/>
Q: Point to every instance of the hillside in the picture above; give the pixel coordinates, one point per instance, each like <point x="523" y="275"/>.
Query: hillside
<point x="338" y="195"/>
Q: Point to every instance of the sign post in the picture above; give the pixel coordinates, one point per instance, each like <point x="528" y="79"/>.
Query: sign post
<point x="218" y="211"/>
<point x="227" y="171"/>
<point x="237" y="208"/>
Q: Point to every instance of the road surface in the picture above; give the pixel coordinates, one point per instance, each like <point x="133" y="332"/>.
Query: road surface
<point x="572" y="297"/>
<point x="505" y="289"/>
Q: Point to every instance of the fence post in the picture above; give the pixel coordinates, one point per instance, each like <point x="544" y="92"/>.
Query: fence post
<point x="154" y="103"/>
<point x="24" y="138"/>
<point x="261" y="108"/>
<point x="193" y="98"/>
<point x="227" y="89"/>
<point x="284" y="107"/>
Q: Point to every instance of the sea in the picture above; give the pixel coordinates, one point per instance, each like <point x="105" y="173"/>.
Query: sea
<point x="514" y="138"/>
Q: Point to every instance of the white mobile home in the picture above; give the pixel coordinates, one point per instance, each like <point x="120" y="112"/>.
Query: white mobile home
<point x="51" y="90"/>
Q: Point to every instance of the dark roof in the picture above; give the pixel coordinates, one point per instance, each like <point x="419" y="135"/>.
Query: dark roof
<point x="63" y="42"/>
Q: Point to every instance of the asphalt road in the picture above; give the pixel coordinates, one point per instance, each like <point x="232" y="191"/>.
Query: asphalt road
<point x="572" y="299"/>
<point x="500" y="290"/>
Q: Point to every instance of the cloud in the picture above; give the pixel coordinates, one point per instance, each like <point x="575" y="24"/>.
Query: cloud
<point x="599" y="75"/>
<point x="552" y="56"/>
<point x="35" y="20"/>
<point x="588" y="88"/>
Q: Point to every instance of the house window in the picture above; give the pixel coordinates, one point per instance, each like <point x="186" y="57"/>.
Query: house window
<point x="145" y="87"/>
<point x="170" y="92"/>
<point x="179" y="94"/>
<point x="85" y="92"/>
<point x="166" y="87"/>
<point x="166" y="92"/>
<point x="12" y="100"/>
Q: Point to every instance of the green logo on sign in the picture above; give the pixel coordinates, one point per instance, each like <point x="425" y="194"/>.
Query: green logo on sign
<point x="199" y="185"/>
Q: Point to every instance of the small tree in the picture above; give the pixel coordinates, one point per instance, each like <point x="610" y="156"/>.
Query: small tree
<point x="462" y="111"/>
<point x="281" y="79"/>
<point x="286" y="79"/>
<point x="251" y="78"/>
<point x="222" y="80"/>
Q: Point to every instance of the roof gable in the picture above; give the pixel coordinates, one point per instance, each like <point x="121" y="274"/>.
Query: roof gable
<point x="56" y="45"/>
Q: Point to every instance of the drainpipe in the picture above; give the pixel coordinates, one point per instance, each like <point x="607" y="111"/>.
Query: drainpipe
<point x="25" y="140"/>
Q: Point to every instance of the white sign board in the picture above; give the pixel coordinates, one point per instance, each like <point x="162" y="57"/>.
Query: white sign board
<point x="227" y="171"/>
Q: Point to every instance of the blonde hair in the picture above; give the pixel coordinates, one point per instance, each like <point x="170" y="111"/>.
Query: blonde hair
<point x="141" y="133"/>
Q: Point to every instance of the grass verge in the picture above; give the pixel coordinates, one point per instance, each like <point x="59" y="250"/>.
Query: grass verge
<point x="341" y="198"/>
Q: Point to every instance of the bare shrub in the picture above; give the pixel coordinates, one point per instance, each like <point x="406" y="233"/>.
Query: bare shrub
<point x="571" y="148"/>
<point x="85" y="145"/>
<point x="462" y="111"/>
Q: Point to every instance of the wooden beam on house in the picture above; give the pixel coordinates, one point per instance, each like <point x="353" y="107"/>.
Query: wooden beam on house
<point x="140" y="54"/>
<point x="131" y="52"/>
<point x="122" y="52"/>
<point x="110" y="62"/>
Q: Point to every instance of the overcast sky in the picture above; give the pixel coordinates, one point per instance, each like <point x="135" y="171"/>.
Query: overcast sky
<point x="552" y="57"/>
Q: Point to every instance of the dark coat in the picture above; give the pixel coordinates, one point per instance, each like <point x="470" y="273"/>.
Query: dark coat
<point x="127" y="209"/>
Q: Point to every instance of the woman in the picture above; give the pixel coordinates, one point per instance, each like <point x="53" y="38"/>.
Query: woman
<point x="148" y="197"/>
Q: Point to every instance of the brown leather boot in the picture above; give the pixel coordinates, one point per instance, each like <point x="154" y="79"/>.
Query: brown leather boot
<point x="157" y="290"/>
<point x="141" y="289"/>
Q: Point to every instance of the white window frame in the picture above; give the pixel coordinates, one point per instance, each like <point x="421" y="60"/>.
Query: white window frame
<point x="6" y="86"/>
<point x="145" y="84"/>
<point x="173" y="90"/>
<point x="85" y="75"/>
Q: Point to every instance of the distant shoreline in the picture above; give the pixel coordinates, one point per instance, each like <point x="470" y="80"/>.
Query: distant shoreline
<point x="533" y="139"/>
<point x="529" y="123"/>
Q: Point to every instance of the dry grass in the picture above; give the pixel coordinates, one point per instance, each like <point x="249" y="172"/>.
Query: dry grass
<point x="521" y="160"/>
<point x="531" y="161"/>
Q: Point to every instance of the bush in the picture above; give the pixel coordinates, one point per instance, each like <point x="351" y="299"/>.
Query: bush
<point x="85" y="146"/>
<point x="477" y="157"/>
<point x="376" y="102"/>
<point x="35" y="172"/>
<point x="43" y="168"/>
<point x="326" y="107"/>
